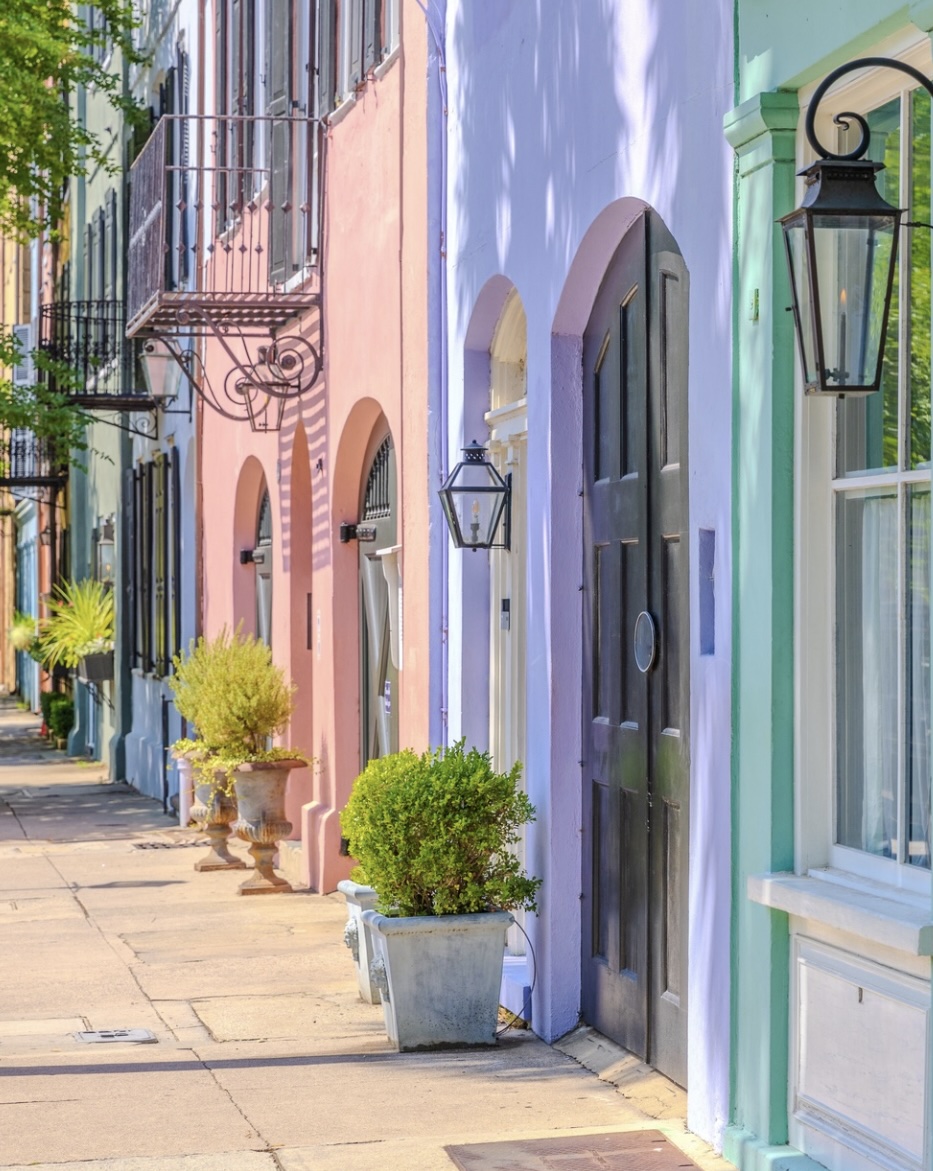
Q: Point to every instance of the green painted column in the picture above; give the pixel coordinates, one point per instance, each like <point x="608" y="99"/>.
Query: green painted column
<point x="762" y="131"/>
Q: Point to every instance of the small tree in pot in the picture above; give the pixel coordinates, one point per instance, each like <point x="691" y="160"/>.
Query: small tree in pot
<point x="213" y="806"/>
<point x="433" y="834"/>
<point x="245" y="702"/>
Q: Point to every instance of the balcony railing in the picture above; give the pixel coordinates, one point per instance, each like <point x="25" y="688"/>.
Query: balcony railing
<point x="224" y="225"/>
<point x="97" y="362"/>
<point x="28" y="462"/>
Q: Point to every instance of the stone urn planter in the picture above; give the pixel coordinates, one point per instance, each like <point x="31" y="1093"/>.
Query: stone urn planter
<point x="439" y="977"/>
<point x="183" y="763"/>
<point x="260" y="795"/>
<point x="357" y="935"/>
<point x="215" y="811"/>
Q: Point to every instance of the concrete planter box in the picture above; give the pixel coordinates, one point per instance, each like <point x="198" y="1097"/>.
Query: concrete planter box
<point x="357" y="936"/>
<point x="97" y="668"/>
<point x="439" y="977"/>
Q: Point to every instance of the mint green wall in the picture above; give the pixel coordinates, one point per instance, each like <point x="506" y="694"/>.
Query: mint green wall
<point x="762" y="133"/>
<point x="96" y="492"/>
<point x="779" y="48"/>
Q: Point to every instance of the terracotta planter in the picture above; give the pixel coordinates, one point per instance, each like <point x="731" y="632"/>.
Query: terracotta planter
<point x="215" y="812"/>
<point x="260" y="794"/>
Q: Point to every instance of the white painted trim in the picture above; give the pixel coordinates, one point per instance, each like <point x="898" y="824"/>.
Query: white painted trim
<point x="881" y="915"/>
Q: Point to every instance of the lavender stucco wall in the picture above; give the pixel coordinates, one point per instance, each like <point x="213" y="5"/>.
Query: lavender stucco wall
<point x="564" y="121"/>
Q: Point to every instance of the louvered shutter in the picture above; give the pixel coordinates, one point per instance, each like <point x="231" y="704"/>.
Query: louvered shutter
<point x="326" y="57"/>
<point x="175" y="577"/>
<point x="278" y="72"/>
<point x="372" y="41"/>
<point x="127" y="547"/>
<point x="354" y="15"/>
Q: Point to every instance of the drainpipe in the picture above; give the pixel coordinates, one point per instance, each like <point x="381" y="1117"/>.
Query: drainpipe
<point x="435" y="15"/>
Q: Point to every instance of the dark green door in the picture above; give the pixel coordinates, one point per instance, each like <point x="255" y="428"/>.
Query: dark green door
<point x="636" y="651"/>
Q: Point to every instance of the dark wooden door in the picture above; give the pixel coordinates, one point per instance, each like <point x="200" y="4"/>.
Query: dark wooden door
<point x="636" y="651"/>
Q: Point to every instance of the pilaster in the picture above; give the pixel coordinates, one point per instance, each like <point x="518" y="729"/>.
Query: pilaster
<point x="762" y="131"/>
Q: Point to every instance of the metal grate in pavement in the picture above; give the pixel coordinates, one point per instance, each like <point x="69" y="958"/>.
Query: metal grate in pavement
<point x="169" y="845"/>
<point x="102" y="1036"/>
<point x="633" y="1150"/>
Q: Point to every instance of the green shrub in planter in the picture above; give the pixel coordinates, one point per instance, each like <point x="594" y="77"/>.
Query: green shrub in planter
<point x="433" y="833"/>
<point x="61" y="716"/>
<point x="46" y="699"/>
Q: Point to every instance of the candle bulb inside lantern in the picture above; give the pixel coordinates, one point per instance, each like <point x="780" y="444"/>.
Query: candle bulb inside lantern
<point x="842" y="375"/>
<point x="474" y="524"/>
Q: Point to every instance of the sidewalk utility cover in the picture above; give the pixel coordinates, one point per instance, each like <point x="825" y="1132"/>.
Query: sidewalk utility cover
<point x="633" y="1150"/>
<point x="134" y="1036"/>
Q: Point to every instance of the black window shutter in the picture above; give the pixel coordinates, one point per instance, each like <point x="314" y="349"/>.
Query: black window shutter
<point x="147" y="548"/>
<point x="278" y="93"/>
<point x="176" y="574"/>
<point x="131" y="560"/>
<point x="158" y="575"/>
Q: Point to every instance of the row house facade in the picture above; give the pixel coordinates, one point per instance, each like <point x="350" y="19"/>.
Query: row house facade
<point x="351" y="238"/>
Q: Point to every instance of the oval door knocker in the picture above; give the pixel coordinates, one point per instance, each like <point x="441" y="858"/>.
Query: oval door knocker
<point x="646" y="642"/>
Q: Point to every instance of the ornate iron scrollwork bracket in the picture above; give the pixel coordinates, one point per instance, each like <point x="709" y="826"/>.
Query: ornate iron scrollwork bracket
<point x="846" y="117"/>
<point x="261" y="375"/>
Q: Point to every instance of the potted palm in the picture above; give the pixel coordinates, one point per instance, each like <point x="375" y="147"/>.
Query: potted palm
<point x="244" y="705"/>
<point x="79" y="630"/>
<point x="433" y="834"/>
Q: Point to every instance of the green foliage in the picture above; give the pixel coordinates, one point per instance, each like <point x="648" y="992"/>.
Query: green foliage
<point x="236" y="697"/>
<point x="81" y="621"/>
<point x="23" y="631"/>
<point x="45" y="408"/>
<point x="61" y="716"/>
<point x="46" y="52"/>
<point x="46" y="699"/>
<point x="432" y="833"/>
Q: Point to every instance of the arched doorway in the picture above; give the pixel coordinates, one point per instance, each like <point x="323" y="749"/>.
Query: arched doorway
<point x="378" y="656"/>
<point x="636" y="662"/>
<point x="262" y="559"/>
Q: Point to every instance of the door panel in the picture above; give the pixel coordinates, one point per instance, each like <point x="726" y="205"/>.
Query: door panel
<point x="636" y="775"/>
<point x="378" y="675"/>
<point x="615" y="926"/>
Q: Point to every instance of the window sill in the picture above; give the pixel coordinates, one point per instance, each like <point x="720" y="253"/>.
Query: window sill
<point x="881" y="914"/>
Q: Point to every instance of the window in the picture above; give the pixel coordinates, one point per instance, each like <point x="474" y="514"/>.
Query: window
<point x="868" y="472"/>
<point x="365" y="31"/>
<point x="154" y="535"/>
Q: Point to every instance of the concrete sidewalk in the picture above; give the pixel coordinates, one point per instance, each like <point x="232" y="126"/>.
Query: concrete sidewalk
<point x="264" y="1056"/>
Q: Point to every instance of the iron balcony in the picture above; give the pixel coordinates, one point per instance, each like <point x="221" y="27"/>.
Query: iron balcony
<point x="87" y="339"/>
<point x="224" y="225"/>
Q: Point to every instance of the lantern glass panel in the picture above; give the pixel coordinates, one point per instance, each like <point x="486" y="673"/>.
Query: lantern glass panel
<point x="853" y="262"/>
<point x="478" y="499"/>
<point x="795" y="236"/>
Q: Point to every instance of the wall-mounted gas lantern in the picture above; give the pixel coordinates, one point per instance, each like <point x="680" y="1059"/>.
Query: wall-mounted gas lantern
<point x="105" y="552"/>
<point x="841" y="247"/>
<point x="475" y="499"/>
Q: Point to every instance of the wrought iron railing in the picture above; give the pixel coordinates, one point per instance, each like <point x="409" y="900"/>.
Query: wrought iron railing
<point x="94" y="363"/>
<point x="29" y="462"/>
<point x="224" y="224"/>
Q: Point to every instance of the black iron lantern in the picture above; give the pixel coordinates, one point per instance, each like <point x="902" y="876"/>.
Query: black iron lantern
<point x="105" y="552"/>
<point x="475" y="499"/>
<point x="841" y="248"/>
<point x="841" y="251"/>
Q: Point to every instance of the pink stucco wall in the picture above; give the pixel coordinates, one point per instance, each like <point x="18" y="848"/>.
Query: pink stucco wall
<point x="375" y="369"/>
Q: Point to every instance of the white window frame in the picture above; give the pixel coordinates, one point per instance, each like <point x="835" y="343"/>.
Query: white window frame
<point x="814" y="579"/>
